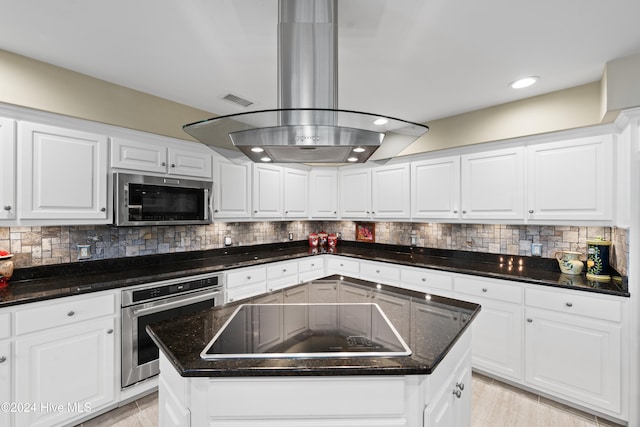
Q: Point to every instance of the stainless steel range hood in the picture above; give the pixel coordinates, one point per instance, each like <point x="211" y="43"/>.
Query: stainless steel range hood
<point x="308" y="127"/>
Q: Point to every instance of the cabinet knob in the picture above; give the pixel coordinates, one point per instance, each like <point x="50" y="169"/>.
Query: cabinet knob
<point x="255" y="211"/>
<point x="377" y="271"/>
<point x="484" y="289"/>
<point x="529" y="320"/>
<point x="424" y="279"/>
<point x="334" y="212"/>
<point x="103" y="209"/>
<point x="109" y="331"/>
<point x="455" y="211"/>
<point x="313" y="265"/>
<point x="531" y="211"/>
<point x="71" y="313"/>
<point x="173" y="165"/>
<point x="248" y="277"/>
<point x="7" y="208"/>
<point x="460" y="386"/>
<point x="373" y="212"/>
<point x="457" y="393"/>
<point x="284" y="270"/>
<point x="3" y="359"/>
<point x="163" y="164"/>
<point x="464" y="212"/>
<point x="286" y="212"/>
<point x="569" y="304"/>
<point x="215" y="210"/>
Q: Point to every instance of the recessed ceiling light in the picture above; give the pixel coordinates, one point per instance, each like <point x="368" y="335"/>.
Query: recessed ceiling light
<point x="524" y="82"/>
<point x="352" y="159"/>
<point x="266" y="159"/>
<point x="358" y="150"/>
<point x="257" y="149"/>
<point x="380" y="122"/>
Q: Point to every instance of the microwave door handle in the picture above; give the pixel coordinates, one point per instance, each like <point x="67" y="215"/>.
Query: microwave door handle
<point x="207" y="204"/>
<point x="174" y="304"/>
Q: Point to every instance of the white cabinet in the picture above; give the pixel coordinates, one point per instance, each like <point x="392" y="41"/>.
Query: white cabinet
<point x="435" y="188"/>
<point x="7" y="170"/>
<point x="161" y="156"/>
<point x="323" y="189"/>
<point x="245" y="282"/>
<point x="63" y="174"/>
<point x="574" y="348"/>
<point x="424" y="280"/>
<point x="355" y="193"/>
<point x="571" y="180"/>
<point x="390" y="191"/>
<point x="311" y="268"/>
<point x="5" y="380"/>
<point x="343" y="265"/>
<point x="497" y="330"/>
<point x="267" y="191"/>
<point x="493" y="184"/>
<point x="232" y="187"/>
<point x="281" y="275"/>
<point x="453" y="406"/>
<point x="65" y="359"/>
<point x="380" y="272"/>
<point x="296" y="193"/>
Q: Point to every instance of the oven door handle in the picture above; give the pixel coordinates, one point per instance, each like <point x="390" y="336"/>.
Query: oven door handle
<point x="177" y="303"/>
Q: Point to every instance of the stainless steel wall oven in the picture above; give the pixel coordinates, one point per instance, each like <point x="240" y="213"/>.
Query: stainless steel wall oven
<point x="155" y="302"/>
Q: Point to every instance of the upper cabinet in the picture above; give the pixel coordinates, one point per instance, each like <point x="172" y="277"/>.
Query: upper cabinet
<point x="323" y="189"/>
<point x="232" y="190"/>
<point x="7" y="170"/>
<point x="355" y="193"/>
<point x="63" y="175"/>
<point x="296" y="193"/>
<point x="571" y="180"/>
<point x="390" y="191"/>
<point x="493" y="185"/>
<point x="267" y="191"/>
<point x="162" y="156"/>
<point x="435" y="188"/>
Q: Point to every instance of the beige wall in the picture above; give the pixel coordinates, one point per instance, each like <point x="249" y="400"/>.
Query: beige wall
<point x="34" y="84"/>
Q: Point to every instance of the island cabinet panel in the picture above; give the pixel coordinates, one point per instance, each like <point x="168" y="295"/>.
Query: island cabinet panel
<point x="451" y="407"/>
<point x="497" y="331"/>
<point x="6" y="362"/>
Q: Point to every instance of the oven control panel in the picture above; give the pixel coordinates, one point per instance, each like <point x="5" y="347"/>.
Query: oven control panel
<point x="164" y="290"/>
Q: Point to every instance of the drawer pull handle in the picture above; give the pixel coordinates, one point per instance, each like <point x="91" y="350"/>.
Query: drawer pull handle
<point x="484" y="289"/>
<point x="7" y="208"/>
<point x="109" y="331"/>
<point x="71" y="313"/>
<point x="569" y="304"/>
<point x="3" y="359"/>
<point x="460" y="386"/>
<point x="457" y="393"/>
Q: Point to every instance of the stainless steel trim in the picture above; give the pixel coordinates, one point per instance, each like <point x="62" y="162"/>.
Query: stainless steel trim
<point x="127" y="294"/>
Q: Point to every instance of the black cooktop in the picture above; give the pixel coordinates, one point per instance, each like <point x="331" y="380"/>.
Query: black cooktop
<point x="306" y="331"/>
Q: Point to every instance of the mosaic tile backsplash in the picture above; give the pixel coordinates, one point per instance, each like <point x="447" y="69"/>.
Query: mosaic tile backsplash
<point x="33" y="246"/>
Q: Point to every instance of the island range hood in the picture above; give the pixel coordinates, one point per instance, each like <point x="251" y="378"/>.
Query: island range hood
<point x="308" y="127"/>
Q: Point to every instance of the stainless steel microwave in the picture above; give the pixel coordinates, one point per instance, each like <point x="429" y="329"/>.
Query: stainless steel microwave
<point x="153" y="200"/>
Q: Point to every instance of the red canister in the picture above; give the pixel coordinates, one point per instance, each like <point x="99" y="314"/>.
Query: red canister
<point x="313" y="240"/>
<point x="333" y="240"/>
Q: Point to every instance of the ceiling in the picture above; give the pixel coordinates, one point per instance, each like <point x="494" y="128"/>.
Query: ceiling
<point x="417" y="60"/>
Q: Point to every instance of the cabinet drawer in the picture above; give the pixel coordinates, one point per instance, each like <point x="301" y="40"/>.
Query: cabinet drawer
<point x="572" y="303"/>
<point x="247" y="291"/>
<point x="488" y="289"/>
<point x="282" y="269"/>
<point x="246" y="276"/>
<point x="64" y="313"/>
<point x="422" y="280"/>
<point x="343" y="265"/>
<point x="311" y="264"/>
<point x="380" y="271"/>
<point x="5" y="325"/>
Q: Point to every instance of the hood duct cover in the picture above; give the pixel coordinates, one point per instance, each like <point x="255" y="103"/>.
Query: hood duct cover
<point x="308" y="127"/>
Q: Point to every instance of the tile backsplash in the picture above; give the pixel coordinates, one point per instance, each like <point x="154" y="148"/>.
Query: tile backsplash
<point x="34" y="246"/>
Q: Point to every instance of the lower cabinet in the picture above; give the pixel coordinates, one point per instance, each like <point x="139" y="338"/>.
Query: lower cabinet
<point x="66" y="372"/>
<point x="453" y="406"/>
<point x="245" y="283"/>
<point x="5" y="380"/>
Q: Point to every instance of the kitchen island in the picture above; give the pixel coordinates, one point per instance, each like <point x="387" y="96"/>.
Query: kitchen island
<point x="430" y="386"/>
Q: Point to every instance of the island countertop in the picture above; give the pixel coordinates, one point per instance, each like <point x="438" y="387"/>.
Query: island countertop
<point x="429" y="324"/>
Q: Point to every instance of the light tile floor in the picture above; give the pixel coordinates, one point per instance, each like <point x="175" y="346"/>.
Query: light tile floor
<point x="494" y="404"/>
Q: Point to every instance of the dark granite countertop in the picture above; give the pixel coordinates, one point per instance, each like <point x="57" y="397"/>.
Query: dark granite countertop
<point x="435" y="324"/>
<point x="47" y="282"/>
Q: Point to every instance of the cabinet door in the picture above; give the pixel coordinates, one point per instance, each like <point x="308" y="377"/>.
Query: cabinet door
<point x="355" y="193"/>
<point x="493" y="185"/>
<point x="296" y="193"/>
<point x="571" y="180"/>
<point x="267" y="191"/>
<point x="435" y="187"/>
<point x="575" y="358"/>
<point x="5" y="381"/>
<point x="391" y="192"/>
<point x="190" y="163"/>
<point x="324" y="193"/>
<point x="64" y="174"/>
<point x="232" y="185"/>
<point x="72" y="368"/>
<point x="7" y="169"/>
<point x="138" y="155"/>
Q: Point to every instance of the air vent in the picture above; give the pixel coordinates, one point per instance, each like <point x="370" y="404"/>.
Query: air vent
<point x="237" y="100"/>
